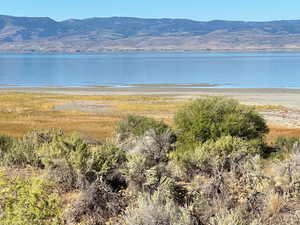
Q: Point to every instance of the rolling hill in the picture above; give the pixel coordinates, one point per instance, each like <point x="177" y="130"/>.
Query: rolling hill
<point x="42" y="34"/>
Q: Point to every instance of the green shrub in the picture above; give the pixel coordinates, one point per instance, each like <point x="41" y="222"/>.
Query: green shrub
<point x="108" y="161"/>
<point x="36" y="138"/>
<point x="147" y="159"/>
<point x="224" y="147"/>
<point x="135" y="171"/>
<point x="81" y="162"/>
<point x="212" y="154"/>
<point x="24" y="151"/>
<point x="154" y="147"/>
<point x="70" y="149"/>
<point x="214" y="117"/>
<point x="27" y="202"/>
<point x="136" y="126"/>
<point x="143" y="175"/>
<point x="66" y="159"/>
<point x="20" y="153"/>
<point x="6" y="146"/>
<point x="6" y="143"/>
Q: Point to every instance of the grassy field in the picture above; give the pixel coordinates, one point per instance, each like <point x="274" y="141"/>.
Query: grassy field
<point x="92" y="116"/>
<point x="20" y="113"/>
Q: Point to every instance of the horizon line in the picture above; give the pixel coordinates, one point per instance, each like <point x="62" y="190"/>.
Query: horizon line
<point x="153" y="18"/>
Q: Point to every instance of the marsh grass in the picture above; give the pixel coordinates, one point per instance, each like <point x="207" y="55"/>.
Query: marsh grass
<point x="22" y="112"/>
<point x="271" y="108"/>
<point x="277" y="131"/>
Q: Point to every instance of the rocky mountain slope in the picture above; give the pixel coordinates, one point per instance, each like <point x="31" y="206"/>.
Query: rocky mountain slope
<point x="31" y="34"/>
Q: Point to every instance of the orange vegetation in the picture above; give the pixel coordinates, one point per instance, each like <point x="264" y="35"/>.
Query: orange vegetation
<point x="276" y="131"/>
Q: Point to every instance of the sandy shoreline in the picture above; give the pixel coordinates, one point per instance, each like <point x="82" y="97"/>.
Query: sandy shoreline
<point x="259" y="96"/>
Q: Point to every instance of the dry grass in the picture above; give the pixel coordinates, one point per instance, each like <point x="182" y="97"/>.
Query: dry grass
<point x="275" y="203"/>
<point x="276" y="131"/>
<point x="271" y="108"/>
<point x="22" y="112"/>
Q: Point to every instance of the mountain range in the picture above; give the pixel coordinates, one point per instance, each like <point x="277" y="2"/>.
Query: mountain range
<point x="43" y="34"/>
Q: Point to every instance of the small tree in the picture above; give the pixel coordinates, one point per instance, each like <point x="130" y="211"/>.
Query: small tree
<point x="214" y="117"/>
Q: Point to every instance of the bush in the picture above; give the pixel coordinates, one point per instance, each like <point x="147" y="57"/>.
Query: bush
<point x="154" y="147"/>
<point x="67" y="154"/>
<point x="95" y="205"/>
<point x="135" y="171"/>
<point x="27" y="202"/>
<point x="6" y="146"/>
<point x="147" y="159"/>
<point x="36" y="138"/>
<point x="107" y="161"/>
<point x="69" y="159"/>
<point x="214" y="117"/>
<point x="21" y="153"/>
<point x="156" y="210"/>
<point x="229" y="218"/>
<point x="136" y="126"/>
<point x="69" y="150"/>
<point x="63" y="176"/>
<point x="24" y="151"/>
<point x="224" y="147"/>
<point x="6" y="143"/>
<point x="212" y="155"/>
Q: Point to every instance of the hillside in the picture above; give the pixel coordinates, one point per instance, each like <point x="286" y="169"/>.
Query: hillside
<point x="42" y="34"/>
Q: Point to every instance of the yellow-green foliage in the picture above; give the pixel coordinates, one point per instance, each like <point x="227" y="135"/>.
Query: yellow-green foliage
<point x="135" y="126"/>
<point x="107" y="159"/>
<point x="28" y="202"/>
<point x="214" y="117"/>
<point x="224" y="147"/>
<point x="25" y="151"/>
<point x="6" y="144"/>
<point x="198" y="156"/>
<point x="72" y="150"/>
<point x="22" y="112"/>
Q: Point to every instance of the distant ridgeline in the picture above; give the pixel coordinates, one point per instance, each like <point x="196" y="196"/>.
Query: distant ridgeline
<point x="41" y="34"/>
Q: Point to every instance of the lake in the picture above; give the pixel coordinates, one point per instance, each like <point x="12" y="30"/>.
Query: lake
<point x="242" y="70"/>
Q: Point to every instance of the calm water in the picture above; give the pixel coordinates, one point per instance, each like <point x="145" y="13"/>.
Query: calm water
<point x="230" y="70"/>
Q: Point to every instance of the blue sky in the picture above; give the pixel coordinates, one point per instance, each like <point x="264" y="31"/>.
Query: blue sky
<point x="259" y="10"/>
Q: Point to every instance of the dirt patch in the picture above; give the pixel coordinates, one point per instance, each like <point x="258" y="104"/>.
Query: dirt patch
<point x="287" y="118"/>
<point x="83" y="106"/>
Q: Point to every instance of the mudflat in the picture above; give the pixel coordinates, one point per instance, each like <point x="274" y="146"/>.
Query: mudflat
<point x="256" y="96"/>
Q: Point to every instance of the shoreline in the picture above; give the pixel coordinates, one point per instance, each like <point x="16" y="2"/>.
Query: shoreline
<point x="116" y="51"/>
<point x="150" y="88"/>
<point x="255" y="96"/>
